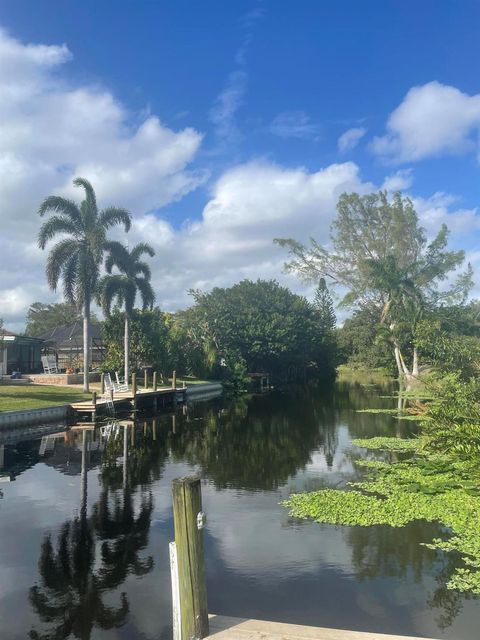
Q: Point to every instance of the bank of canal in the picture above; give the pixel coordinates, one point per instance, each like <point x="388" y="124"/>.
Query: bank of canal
<point x="86" y="555"/>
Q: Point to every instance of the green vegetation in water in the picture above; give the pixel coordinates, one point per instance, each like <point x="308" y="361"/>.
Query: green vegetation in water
<point x="388" y="444"/>
<point x="429" y="488"/>
<point x="397" y="413"/>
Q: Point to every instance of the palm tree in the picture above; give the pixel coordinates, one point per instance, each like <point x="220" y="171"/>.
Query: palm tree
<point x="77" y="257"/>
<point x="134" y="277"/>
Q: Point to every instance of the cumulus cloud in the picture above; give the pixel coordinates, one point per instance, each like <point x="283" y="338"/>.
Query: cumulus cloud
<point x="250" y="204"/>
<point x="433" y="119"/>
<point x="398" y="181"/>
<point x="50" y="132"/>
<point x="350" y="138"/>
<point x="294" y="124"/>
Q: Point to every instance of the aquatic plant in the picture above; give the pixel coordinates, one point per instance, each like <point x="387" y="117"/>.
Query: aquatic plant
<point x="431" y="488"/>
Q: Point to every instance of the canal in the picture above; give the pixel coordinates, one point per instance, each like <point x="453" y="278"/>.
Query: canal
<point x="86" y="518"/>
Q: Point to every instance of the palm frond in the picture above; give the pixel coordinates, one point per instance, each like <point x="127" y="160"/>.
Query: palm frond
<point x="142" y="267"/>
<point x="89" y="192"/>
<point x="57" y="204"/>
<point x="69" y="277"/>
<point x="141" y="248"/>
<point x="109" y="288"/>
<point x="118" y="256"/>
<point x="58" y="259"/>
<point x="54" y="226"/>
<point x="146" y="292"/>
<point x="111" y="216"/>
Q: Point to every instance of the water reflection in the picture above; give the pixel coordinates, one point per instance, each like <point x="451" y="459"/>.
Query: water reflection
<point x="103" y="557"/>
<point x="74" y="577"/>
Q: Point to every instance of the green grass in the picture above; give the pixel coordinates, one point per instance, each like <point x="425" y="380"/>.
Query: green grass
<point x="35" y="396"/>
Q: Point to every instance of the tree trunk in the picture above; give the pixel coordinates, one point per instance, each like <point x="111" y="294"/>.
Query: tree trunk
<point x="126" y="347"/>
<point x="415" y="362"/>
<point x="86" y="345"/>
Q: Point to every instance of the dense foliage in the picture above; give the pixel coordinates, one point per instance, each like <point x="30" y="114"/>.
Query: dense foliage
<point x="261" y="327"/>
<point x="46" y="317"/>
<point x="381" y="257"/>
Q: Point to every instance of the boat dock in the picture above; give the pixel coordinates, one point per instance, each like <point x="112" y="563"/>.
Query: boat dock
<point x="141" y="398"/>
<point x="226" y="628"/>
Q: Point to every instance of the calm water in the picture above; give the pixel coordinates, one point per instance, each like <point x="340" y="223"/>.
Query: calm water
<point x="85" y="554"/>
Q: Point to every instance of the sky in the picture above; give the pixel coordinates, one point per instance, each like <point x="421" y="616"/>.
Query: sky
<point x="222" y="125"/>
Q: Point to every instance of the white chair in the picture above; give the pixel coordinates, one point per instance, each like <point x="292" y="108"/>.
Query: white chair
<point x="49" y="364"/>
<point x="119" y="385"/>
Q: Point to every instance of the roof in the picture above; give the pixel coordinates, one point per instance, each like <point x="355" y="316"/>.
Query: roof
<point x="69" y="334"/>
<point x="8" y="336"/>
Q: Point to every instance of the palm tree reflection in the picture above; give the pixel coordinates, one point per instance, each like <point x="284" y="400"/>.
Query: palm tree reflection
<point x="74" y="578"/>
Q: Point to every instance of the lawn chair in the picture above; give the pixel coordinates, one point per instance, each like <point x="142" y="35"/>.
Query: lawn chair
<point x="120" y="385"/>
<point x="49" y="364"/>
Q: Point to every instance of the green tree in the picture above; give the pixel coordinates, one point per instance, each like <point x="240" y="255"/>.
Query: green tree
<point x="77" y="257"/>
<point x="381" y="257"/>
<point x="134" y="277"/>
<point x="260" y="326"/>
<point x="149" y="340"/>
<point x="43" y="317"/>
<point x="323" y="303"/>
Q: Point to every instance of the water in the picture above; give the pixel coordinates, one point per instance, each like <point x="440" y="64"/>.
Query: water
<point x="85" y="555"/>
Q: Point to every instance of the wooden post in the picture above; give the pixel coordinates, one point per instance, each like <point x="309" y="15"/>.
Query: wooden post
<point x="145" y="379"/>
<point x="94" y="402"/>
<point x="154" y="380"/>
<point x="134" y="389"/>
<point x="187" y="505"/>
<point x="102" y="384"/>
<point x="174" y="380"/>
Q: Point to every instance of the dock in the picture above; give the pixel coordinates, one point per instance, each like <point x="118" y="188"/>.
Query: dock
<point x="226" y="628"/>
<point x="142" y="398"/>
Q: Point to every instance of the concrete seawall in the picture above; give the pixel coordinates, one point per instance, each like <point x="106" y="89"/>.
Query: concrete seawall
<point x="9" y="419"/>
<point x="44" y="415"/>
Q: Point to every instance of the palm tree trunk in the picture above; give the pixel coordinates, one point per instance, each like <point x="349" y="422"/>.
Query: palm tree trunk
<point x="396" y="351"/>
<point x="415" y="362"/>
<point x="86" y="344"/>
<point x="127" y="346"/>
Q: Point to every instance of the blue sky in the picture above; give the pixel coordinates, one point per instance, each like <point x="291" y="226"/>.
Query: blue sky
<point x="224" y="124"/>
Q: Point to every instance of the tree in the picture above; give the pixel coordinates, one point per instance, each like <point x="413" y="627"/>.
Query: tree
<point x="77" y="257"/>
<point x="323" y="303"/>
<point x="380" y="255"/>
<point x="46" y="317"/>
<point x="260" y="326"/>
<point x="148" y="340"/>
<point x="134" y="277"/>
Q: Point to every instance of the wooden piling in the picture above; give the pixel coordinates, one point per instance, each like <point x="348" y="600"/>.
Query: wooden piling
<point x="187" y="512"/>
<point x="145" y="379"/>
<point x="154" y="380"/>
<point x="102" y="384"/>
<point x="134" y="389"/>
<point x="94" y="402"/>
<point x="174" y="380"/>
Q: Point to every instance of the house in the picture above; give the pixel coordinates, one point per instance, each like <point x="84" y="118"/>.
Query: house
<point x="66" y="342"/>
<point x="20" y="353"/>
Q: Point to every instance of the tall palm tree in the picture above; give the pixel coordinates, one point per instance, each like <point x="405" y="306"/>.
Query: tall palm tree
<point x="77" y="257"/>
<point x="134" y="277"/>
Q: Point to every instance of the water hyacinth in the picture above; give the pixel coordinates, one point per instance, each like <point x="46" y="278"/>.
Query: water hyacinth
<point x="431" y="488"/>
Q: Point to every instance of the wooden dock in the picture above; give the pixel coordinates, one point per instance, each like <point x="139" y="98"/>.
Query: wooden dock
<point x="142" y="398"/>
<point x="226" y="628"/>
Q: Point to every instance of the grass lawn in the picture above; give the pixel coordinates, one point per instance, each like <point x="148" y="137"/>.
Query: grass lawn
<point x="33" y="396"/>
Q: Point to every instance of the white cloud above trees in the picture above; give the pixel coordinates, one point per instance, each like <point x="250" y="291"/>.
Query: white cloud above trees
<point x="432" y="120"/>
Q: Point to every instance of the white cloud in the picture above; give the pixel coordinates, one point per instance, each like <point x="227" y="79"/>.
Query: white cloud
<point x="437" y="210"/>
<point x="294" y="124"/>
<point x="249" y="206"/>
<point x="350" y="138"/>
<point x="228" y="102"/>
<point x="433" y="119"/>
<point x="398" y="181"/>
<point x="50" y="132"/>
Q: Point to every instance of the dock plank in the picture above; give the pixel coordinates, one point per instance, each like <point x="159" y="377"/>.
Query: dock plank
<point x="227" y="628"/>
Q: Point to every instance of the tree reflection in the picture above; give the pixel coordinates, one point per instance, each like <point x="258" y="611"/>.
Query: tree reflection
<point x="74" y="578"/>
<point x="380" y="551"/>
<point x="70" y="596"/>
